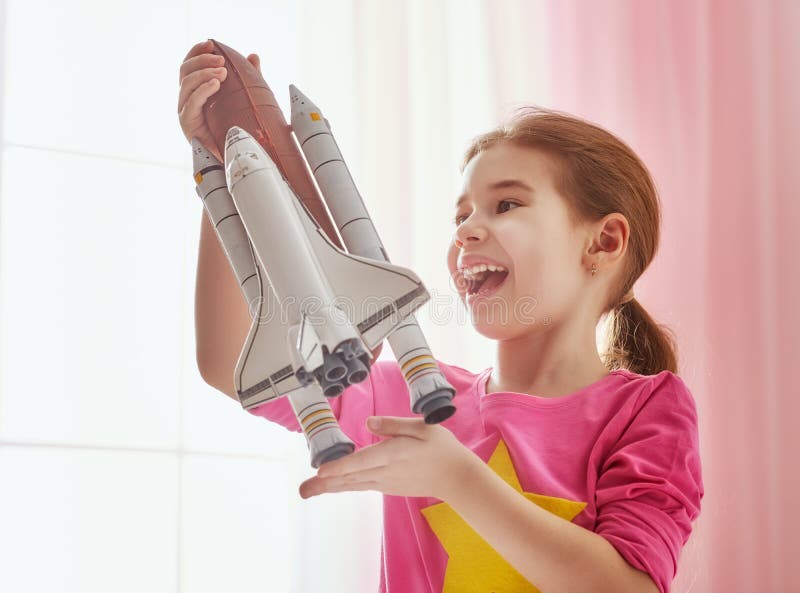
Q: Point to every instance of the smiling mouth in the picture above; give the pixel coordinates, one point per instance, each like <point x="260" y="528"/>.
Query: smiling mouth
<point x="485" y="283"/>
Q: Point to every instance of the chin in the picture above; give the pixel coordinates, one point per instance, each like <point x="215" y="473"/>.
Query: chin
<point x="493" y="319"/>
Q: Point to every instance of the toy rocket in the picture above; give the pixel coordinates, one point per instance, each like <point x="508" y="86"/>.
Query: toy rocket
<point x="318" y="311"/>
<point x="300" y="288"/>
<point x="325" y="439"/>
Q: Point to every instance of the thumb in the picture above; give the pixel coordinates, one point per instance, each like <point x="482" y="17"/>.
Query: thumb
<point x="255" y="61"/>
<point x="390" y="425"/>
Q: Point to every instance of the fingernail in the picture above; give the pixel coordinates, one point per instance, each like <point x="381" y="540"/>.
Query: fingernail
<point x="374" y="422"/>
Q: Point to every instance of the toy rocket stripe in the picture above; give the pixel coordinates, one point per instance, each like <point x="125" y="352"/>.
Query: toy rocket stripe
<point x="277" y="377"/>
<point x="321" y="422"/>
<point x="210" y="168"/>
<point x="425" y="373"/>
<point x="388" y="310"/>
<point x="424" y="365"/>
<point x="317" y="413"/>
<point x="312" y="136"/>
<point x="318" y="167"/>
<point x="353" y="220"/>
<point x="219" y="222"/>
<point x="416" y="359"/>
<point x="416" y="370"/>
<point x="225" y="187"/>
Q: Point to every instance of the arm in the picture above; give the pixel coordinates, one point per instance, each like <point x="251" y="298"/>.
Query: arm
<point x="221" y="317"/>
<point x="427" y="460"/>
<point x="648" y="492"/>
<point x="559" y="556"/>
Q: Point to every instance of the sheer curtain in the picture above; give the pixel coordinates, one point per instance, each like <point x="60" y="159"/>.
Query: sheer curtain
<point x="706" y="92"/>
<point x="119" y="467"/>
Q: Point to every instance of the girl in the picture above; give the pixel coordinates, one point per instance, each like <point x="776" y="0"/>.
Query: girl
<point x="564" y="470"/>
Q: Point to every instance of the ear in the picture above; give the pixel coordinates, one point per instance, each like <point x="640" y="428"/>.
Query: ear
<point x="608" y="240"/>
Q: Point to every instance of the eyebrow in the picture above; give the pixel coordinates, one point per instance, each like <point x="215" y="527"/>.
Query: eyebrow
<point x="504" y="184"/>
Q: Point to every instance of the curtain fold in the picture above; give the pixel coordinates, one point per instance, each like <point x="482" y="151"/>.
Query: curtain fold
<point x="703" y="91"/>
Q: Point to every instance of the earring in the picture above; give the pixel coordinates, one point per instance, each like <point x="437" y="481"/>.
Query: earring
<point x="594" y="269"/>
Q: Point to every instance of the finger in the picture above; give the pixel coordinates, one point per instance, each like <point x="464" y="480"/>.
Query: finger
<point x="200" y="62"/>
<point x="255" y="61"/>
<point x="357" y="486"/>
<point x="199" y="48"/>
<point x="191" y="116"/>
<point x="394" y="426"/>
<point x="376" y="455"/>
<point x="313" y="486"/>
<point x="197" y="79"/>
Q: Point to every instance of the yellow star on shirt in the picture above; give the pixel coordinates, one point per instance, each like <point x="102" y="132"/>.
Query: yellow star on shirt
<point x="473" y="565"/>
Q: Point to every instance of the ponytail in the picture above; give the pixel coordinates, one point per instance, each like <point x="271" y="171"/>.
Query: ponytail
<point x="634" y="341"/>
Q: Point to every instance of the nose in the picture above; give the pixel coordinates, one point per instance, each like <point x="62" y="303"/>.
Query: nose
<point x="469" y="232"/>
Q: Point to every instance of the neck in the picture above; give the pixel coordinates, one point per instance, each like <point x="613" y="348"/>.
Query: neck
<point x="548" y="362"/>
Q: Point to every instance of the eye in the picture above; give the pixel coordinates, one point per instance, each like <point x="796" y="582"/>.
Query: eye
<point x="459" y="217"/>
<point x="501" y="202"/>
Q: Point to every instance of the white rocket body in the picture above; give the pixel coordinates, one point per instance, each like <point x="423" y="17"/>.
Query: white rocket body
<point x="334" y="307"/>
<point x="431" y="394"/>
<point x="324" y="437"/>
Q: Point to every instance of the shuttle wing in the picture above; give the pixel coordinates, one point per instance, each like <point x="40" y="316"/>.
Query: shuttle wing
<point x="265" y="368"/>
<point x="375" y="296"/>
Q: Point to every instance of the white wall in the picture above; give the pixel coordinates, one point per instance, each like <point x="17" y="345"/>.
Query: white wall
<point x="119" y="468"/>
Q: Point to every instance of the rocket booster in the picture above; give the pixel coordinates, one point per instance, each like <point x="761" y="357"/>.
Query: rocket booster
<point x="431" y="394"/>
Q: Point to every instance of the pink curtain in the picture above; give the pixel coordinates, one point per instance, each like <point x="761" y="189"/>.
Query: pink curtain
<point x="707" y="92"/>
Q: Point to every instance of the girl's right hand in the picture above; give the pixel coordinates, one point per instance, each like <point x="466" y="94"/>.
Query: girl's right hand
<point x="201" y="74"/>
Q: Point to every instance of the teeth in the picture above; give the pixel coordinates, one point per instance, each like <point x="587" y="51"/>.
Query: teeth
<point x="471" y="271"/>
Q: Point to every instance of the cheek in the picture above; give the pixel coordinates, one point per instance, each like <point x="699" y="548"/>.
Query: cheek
<point x="452" y="258"/>
<point x="523" y="243"/>
<point x="456" y="283"/>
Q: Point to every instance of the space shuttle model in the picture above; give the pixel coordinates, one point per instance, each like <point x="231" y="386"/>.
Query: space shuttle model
<point x="322" y="301"/>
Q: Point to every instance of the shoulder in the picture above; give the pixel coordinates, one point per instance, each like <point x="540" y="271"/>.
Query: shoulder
<point x="662" y="399"/>
<point x="661" y="388"/>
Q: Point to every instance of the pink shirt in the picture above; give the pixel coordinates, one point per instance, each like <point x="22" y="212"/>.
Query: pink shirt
<point x="619" y="457"/>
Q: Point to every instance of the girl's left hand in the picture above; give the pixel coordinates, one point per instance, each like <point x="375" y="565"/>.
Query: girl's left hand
<point x="416" y="459"/>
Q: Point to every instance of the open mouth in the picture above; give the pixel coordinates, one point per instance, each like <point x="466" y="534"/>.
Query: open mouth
<point x="485" y="283"/>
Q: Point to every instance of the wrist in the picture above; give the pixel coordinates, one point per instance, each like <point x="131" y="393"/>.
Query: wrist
<point x="467" y="471"/>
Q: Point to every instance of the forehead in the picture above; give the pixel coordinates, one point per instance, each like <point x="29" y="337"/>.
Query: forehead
<point x="508" y="161"/>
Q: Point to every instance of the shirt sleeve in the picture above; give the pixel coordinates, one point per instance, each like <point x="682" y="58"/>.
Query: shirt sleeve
<point x="351" y="409"/>
<point x="650" y="486"/>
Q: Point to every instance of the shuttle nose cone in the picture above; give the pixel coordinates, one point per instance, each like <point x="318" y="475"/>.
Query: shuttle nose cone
<point x="299" y="102"/>
<point x="235" y="134"/>
<point x="201" y="158"/>
<point x="297" y="99"/>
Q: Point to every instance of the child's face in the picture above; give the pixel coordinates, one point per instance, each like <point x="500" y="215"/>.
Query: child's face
<point x="528" y="231"/>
